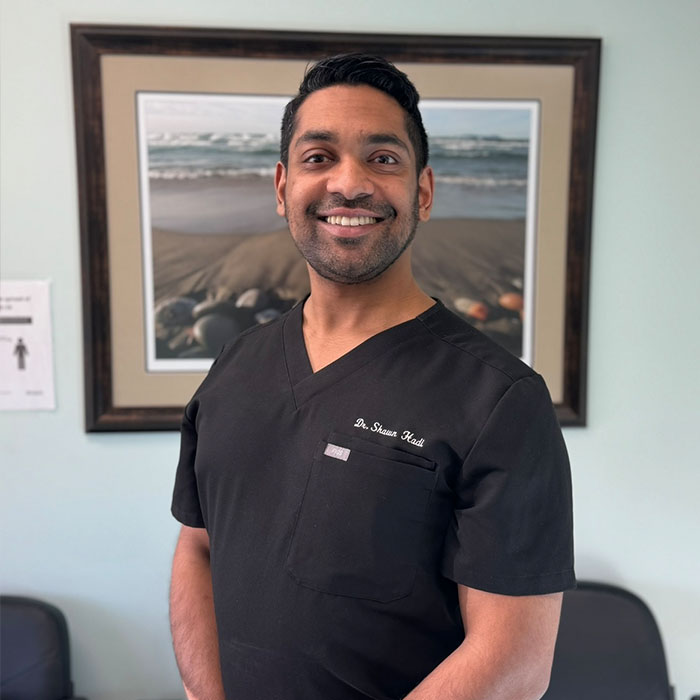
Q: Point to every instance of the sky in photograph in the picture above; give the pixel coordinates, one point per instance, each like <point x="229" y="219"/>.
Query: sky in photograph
<point x="253" y="114"/>
<point x="247" y="114"/>
<point x="510" y="120"/>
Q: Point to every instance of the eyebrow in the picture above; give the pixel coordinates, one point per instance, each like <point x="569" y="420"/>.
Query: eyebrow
<point x="373" y="139"/>
<point x="309" y="136"/>
<point x="389" y="139"/>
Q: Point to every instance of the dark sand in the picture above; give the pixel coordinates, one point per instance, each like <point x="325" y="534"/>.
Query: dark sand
<point x="218" y="237"/>
<point x="452" y="258"/>
<point x="221" y="236"/>
<point x="222" y="266"/>
<point x="475" y="258"/>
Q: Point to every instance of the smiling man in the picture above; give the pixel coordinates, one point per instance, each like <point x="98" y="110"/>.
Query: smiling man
<point x="353" y="197"/>
<point x="375" y="498"/>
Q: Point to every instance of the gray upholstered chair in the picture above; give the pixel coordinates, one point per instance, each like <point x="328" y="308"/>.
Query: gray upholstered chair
<point x="34" y="651"/>
<point x="609" y="648"/>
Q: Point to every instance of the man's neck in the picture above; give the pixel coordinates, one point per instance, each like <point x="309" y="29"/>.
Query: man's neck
<point x="339" y="317"/>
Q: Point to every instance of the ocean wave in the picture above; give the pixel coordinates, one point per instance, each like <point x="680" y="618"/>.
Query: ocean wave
<point x="208" y="173"/>
<point x="477" y="147"/>
<point x="240" y="142"/>
<point x="471" y="181"/>
<point x="458" y="161"/>
<point x="444" y="146"/>
<point x="243" y="173"/>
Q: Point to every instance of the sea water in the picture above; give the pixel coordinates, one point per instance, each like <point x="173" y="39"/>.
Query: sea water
<point x="482" y="177"/>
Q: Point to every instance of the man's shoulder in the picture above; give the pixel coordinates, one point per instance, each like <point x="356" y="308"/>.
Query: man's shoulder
<point x="467" y="346"/>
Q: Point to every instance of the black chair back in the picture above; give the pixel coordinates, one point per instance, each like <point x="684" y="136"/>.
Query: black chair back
<point x="34" y="651"/>
<point x="609" y="648"/>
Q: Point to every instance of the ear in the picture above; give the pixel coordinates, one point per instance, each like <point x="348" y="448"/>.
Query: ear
<point x="280" y="187"/>
<point x="426" y="190"/>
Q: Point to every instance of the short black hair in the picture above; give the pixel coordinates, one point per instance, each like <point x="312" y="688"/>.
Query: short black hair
<point x="360" y="69"/>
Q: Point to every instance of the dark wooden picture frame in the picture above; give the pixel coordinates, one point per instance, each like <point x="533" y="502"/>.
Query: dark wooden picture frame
<point x="92" y="43"/>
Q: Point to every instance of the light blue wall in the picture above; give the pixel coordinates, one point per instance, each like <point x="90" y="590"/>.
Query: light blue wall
<point x="85" y="518"/>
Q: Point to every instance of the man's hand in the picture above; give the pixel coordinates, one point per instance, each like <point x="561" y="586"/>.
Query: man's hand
<point x="192" y="620"/>
<point x="507" y="651"/>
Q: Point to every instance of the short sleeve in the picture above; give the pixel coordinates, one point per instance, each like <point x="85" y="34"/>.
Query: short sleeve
<point x="512" y="527"/>
<point x="185" y="505"/>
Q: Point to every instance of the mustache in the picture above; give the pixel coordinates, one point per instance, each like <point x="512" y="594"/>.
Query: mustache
<point x="379" y="209"/>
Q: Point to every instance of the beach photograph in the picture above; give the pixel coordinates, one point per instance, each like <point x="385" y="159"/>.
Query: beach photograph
<point x="218" y="259"/>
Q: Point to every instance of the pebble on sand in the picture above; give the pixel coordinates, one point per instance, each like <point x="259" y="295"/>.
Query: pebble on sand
<point x="213" y="330"/>
<point x="511" y="301"/>
<point x="477" y="310"/>
<point x="176" y="311"/>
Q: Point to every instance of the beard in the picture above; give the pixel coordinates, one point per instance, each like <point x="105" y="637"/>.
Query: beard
<point x="354" y="260"/>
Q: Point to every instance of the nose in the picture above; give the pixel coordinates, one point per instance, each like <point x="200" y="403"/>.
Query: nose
<point x="350" y="178"/>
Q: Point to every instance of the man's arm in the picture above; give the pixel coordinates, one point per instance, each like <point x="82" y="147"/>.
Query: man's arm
<point x="507" y="651"/>
<point x="192" y="620"/>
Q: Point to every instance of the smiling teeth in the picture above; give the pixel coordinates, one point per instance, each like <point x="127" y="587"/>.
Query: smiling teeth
<point x="351" y="220"/>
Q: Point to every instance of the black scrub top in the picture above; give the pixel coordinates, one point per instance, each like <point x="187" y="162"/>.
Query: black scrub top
<point x="342" y="506"/>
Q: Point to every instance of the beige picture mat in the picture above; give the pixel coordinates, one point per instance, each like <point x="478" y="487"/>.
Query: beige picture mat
<point x="124" y="76"/>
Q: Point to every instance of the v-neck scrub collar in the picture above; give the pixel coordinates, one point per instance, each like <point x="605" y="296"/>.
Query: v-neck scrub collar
<point x="306" y="383"/>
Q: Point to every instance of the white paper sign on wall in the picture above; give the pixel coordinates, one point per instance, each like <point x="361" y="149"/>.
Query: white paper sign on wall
<point x="26" y="351"/>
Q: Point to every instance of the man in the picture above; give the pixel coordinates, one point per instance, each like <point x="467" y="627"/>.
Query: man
<point x="375" y="498"/>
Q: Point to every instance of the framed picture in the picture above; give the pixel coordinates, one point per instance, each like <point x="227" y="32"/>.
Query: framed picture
<point x="177" y="136"/>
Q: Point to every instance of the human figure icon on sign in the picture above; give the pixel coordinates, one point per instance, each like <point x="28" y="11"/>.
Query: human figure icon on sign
<point x="21" y="350"/>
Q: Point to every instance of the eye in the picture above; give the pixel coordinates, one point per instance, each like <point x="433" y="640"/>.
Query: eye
<point x="385" y="159"/>
<point x="315" y="158"/>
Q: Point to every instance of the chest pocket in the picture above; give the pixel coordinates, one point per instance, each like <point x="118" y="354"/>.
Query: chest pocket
<point x="360" y="528"/>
